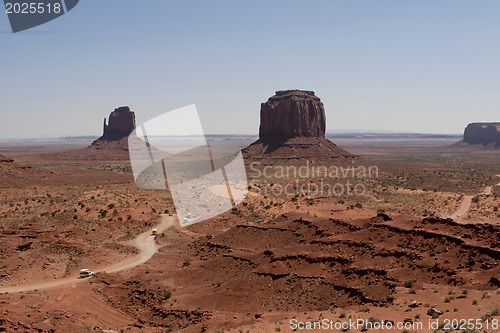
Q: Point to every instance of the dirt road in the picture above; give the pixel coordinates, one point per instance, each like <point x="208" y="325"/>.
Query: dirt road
<point x="464" y="207"/>
<point x="145" y="242"/>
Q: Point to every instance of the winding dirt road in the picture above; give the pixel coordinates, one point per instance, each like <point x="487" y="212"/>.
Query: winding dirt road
<point x="145" y="242"/>
<point x="464" y="207"/>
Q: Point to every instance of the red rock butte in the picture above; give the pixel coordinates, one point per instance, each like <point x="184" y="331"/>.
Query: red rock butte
<point x="292" y="129"/>
<point x="121" y="124"/>
<point x="115" y="133"/>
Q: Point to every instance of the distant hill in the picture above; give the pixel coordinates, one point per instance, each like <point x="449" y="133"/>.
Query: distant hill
<point x="392" y="136"/>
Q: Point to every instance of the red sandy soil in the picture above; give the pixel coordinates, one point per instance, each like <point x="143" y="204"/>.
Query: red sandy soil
<point x="257" y="267"/>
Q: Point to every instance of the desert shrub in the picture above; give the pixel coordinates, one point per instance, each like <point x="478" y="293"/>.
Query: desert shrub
<point x="409" y="284"/>
<point x="390" y="298"/>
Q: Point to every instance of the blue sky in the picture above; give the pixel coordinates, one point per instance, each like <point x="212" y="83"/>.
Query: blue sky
<point x="410" y="66"/>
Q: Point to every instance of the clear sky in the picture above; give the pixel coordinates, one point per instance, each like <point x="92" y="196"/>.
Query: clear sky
<point x="410" y="66"/>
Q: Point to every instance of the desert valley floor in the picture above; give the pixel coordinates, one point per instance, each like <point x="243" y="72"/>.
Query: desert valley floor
<point x="421" y="244"/>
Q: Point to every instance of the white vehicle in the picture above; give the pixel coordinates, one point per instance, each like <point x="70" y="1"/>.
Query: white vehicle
<point x="154" y="232"/>
<point x="85" y="273"/>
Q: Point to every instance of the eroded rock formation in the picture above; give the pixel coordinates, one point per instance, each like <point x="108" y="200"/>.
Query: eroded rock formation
<point x="482" y="133"/>
<point x="292" y="129"/>
<point x="290" y="114"/>
<point x="121" y="124"/>
<point x="115" y="134"/>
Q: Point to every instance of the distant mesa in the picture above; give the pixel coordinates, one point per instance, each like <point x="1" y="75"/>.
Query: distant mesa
<point x="481" y="135"/>
<point x="115" y="133"/>
<point x="292" y="129"/>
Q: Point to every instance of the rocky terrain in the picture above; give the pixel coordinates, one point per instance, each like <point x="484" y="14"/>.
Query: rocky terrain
<point x="13" y="174"/>
<point x="481" y="134"/>
<point x="292" y="129"/>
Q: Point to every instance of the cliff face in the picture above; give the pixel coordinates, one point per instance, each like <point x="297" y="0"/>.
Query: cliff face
<point x="121" y="124"/>
<point x="290" y="114"/>
<point x="482" y="133"/>
<point x="292" y="129"/>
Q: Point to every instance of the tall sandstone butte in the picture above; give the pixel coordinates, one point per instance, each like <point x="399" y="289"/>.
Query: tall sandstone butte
<point x="290" y="114"/>
<point x="121" y="124"/>
<point x="115" y="133"/>
<point x="292" y="129"/>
